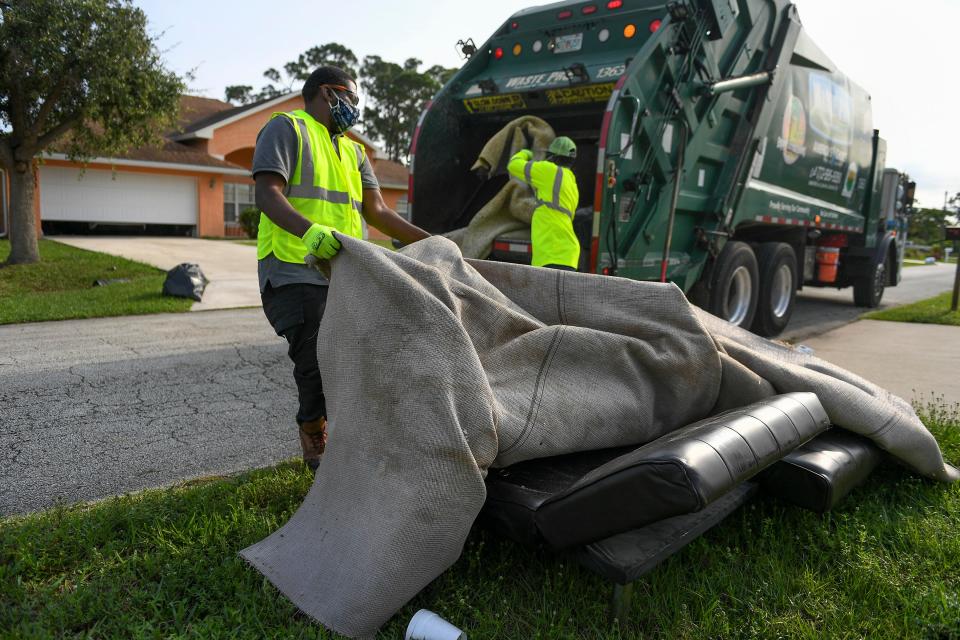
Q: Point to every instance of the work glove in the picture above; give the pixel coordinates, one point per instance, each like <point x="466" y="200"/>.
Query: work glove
<point x="320" y="242"/>
<point x="526" y="154"/>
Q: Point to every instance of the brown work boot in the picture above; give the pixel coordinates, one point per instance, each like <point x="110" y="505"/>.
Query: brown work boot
<point x="313" y="440"/>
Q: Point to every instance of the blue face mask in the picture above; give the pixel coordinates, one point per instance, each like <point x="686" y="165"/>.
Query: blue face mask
<point x="344" y="115"/>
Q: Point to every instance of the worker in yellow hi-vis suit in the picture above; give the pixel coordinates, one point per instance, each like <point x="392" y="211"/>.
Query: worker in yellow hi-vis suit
<point x="555" y="244"/>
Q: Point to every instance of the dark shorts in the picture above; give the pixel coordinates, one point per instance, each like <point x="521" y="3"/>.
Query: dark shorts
<point x="294" y="312"/>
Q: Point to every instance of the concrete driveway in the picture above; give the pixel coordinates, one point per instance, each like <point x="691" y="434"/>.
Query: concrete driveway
<point x="231" y="267"/>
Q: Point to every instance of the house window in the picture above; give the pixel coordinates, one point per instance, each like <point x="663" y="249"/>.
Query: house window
<point x="236" y="198"/>
<point x="402" y="207"/>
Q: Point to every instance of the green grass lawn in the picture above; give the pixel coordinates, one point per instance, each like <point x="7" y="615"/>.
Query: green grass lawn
<point x="163" y="563"/>
<point x="59" y="287"/>
<point x="921" y="263"/>
<point x="931" y="311"/>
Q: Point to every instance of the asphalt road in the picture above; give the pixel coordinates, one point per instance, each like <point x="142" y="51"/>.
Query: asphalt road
<point x="94" y="408"/>
<point x="820" y="310"/>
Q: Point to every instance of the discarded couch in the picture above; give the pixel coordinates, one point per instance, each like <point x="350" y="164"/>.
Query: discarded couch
<point x="623" y="511"/>
<point x="475" y="366"/>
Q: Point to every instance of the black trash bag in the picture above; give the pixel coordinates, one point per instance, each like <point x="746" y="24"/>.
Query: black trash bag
<point x="185" y="281"/>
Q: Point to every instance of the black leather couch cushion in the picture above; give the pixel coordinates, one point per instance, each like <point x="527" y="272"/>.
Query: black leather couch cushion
<point x="584" y="497"/>
<point x="627" y="556"/>
<point x="822" y="472"/>
<point x="515" y="493"/>
<point x="680" y="472"/>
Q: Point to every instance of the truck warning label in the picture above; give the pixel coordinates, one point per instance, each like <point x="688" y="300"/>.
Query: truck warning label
<point x="486" y="104"/>
<point x="580" y="95"/>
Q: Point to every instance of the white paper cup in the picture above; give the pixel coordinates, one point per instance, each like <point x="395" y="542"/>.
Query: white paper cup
<point x="426" y="625"/>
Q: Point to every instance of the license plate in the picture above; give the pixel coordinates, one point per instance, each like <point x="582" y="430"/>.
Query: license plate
<point x="566" y="44"/>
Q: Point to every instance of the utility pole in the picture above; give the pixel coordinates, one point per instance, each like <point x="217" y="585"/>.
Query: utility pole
<point x="953" y="233"/>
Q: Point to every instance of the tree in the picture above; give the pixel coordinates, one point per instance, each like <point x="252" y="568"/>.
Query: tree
<point x="395" y="94"/>
<point x="953" y="203"/>
<point x="240" y="93"/>
<point x="925" y="226"/>
<point x="441" y="74"/>
<point x="330" y="54"/>
<point x="80" y="74"/>
<point x="395" y="97"/>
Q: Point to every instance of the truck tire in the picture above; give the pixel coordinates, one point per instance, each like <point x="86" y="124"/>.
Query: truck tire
<point x="735" y="285"/>
<point x="868" y="292"/>
<point x="778" y="288"/>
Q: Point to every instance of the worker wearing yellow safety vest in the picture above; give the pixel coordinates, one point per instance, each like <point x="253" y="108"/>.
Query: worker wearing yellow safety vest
<point x="555" y="188"/>
<point x="312" y="181"/>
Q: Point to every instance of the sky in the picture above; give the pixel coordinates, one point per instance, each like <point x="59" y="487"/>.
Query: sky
<point x="903" y="54"/>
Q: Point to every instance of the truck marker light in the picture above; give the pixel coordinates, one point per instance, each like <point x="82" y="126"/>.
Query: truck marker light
<point x="629" y="31"/>
<point x="654" y="26"/>
<point x="563" y="15"/>
<point x="498" y="53"/>
<point x="614" y="4"/>
<point x="514" y="25"/>
<point x="537" y="45"/>
<point x="587" y="10"/>
<point x="604" y="35"/>
<point x="517" y="48"/>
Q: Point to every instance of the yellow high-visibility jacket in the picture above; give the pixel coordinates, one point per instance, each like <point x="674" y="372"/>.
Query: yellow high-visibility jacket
<point x="555" y="189"/>
<point x="325" y="188"/>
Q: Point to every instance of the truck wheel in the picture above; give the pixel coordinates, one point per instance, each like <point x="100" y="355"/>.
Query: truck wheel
<point x="868" y="292"/>
<point x="778" y="288"/>
<point x="734" y="286"/>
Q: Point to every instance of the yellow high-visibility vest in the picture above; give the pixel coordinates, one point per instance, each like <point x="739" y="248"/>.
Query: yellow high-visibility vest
<point x="325" y="188"/>
<point x="555" y="189"/>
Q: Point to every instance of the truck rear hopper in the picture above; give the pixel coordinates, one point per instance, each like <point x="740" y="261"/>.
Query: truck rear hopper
<point x="780" y="165"/>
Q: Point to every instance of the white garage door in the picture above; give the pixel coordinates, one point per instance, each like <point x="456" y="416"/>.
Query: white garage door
<point x="116" y="197"/>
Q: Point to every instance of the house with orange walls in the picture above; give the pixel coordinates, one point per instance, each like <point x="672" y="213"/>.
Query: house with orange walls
<point x="196" y="182"/>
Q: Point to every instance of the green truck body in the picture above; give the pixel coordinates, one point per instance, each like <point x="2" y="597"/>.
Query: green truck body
<point x="719" y="149"/>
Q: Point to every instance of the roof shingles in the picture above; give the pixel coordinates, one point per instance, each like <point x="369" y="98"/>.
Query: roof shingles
<point x="390" y="173"/>
<point x="176" y="153"/>
<point x="194" y="108"/>
<point x="212" y="117"/>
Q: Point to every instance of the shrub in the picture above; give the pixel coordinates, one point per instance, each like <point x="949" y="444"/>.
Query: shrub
<point x="915" y="254"/>
<point x="250" y="221"/>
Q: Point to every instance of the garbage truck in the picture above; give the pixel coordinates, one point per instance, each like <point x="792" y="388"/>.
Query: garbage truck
<point x="718" y="149"/>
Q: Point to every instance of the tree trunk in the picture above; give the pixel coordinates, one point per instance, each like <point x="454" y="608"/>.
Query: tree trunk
<point x="24" y="248"/>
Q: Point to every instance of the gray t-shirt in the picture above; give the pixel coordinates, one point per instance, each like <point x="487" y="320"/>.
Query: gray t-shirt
<point x="276" y="151"/>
